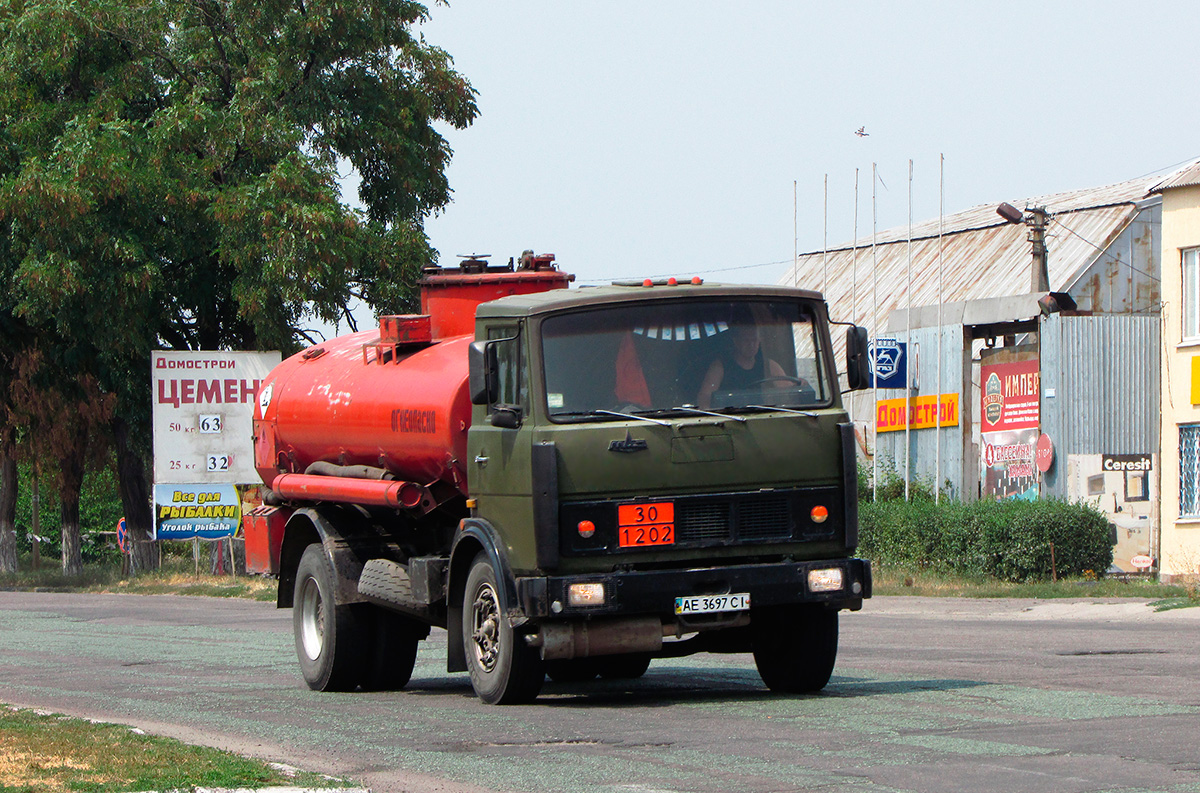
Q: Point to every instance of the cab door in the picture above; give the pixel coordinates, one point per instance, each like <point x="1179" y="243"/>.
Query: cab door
<point x="500" y="477"/>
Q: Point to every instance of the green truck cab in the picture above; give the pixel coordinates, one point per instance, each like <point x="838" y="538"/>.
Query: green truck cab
<point x="647" y="494"/>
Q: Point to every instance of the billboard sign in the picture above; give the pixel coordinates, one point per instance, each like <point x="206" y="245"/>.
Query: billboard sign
<point x="1011" y="396"/>
<point x="183" y="511"/>
<point x="203" y="411"/>
<point x="922" y="412"/>
<point x="1009" y="419"/>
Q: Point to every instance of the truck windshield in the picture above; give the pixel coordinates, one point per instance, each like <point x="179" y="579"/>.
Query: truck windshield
<point x="717" y="355"/>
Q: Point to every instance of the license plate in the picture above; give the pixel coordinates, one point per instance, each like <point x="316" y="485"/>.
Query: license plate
<point x="712" y="604"/>
<point x="640" y="525"/>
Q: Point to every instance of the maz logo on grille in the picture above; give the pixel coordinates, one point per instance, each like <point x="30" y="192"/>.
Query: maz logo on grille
<point x="630" y="444"/>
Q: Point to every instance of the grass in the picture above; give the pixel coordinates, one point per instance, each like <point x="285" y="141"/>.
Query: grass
<point x="176" y="576"/>
<point x="895" y="581"/>
<point x="47" y="753"/>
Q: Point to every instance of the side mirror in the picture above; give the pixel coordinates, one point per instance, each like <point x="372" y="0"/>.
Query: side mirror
<point x="481" y="373"/>
<point x="506" y="417"/>
<point x="858" y="365"/>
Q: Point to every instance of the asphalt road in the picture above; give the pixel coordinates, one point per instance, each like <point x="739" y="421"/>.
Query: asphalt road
<point x="929" y="695"/>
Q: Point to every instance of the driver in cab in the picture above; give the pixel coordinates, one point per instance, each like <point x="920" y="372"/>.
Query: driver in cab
<point x="745" y="368"/>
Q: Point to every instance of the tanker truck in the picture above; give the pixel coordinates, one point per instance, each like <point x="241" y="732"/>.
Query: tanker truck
<point x="570" y="481"/>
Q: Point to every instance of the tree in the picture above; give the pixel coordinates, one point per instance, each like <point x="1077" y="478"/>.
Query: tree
<point x="168" y="176"/>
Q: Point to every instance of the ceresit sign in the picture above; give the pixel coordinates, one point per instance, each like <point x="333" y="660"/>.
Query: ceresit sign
<point x="1126" y="462"/>
<point x="919" y="413"/>
<point x="203" y="411"/>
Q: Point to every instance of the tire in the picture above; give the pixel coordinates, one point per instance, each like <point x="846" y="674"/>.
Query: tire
<point x="624" y="667"/>
<point x="504" y="669"/>
<point x="330" y="639"/>
<point x="795" y="647"/>
<point x="394" y="654"/>
<point x="572" y="670"/>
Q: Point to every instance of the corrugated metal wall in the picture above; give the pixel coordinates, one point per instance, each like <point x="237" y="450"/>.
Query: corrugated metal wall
<point x="1104" y="374"/>
<point x="924" y="443"/>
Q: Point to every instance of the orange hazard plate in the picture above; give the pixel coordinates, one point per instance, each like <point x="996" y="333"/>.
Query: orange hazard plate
<point x="646" y="524"/>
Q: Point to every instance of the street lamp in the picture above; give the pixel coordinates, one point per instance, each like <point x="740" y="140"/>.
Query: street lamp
<point x="1036" y="220"/>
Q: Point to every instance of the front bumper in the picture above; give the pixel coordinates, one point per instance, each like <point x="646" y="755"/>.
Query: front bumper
<point x="648" y="592"/>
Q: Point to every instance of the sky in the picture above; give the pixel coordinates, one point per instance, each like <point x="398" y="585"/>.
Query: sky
<point x="668" y="138"/>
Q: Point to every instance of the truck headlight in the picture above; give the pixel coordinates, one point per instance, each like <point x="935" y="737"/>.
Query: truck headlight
<point x="586" y="594"/>
<point x="827" y="580"/>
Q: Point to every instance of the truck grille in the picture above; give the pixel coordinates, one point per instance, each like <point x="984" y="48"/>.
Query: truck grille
<point x="741" y="518"/>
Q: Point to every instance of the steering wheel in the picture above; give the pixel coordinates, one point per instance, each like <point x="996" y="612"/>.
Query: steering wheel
<point x="784" y="377"/>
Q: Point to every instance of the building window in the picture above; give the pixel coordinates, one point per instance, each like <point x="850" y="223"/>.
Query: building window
<point x="1191" y="293"/>
<point x="1189" y="471"/>
<point x="1136" y="488"/>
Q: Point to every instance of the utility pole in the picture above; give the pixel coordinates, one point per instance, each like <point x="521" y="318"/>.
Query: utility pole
<point x="1036" y="220"/>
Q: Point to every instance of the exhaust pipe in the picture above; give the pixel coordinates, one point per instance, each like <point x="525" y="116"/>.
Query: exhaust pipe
<point x="596" y="637"/>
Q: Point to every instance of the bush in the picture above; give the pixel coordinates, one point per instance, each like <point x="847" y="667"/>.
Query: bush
<point x="891" y="484"/>
<point x="1009" y="540"/>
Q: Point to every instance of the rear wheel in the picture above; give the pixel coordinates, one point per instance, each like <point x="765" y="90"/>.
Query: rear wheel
<point x="330" y="639"/>
<point x="390" y="663"/>
<point x="795" y="647"/>
<point x="504" y="668"/>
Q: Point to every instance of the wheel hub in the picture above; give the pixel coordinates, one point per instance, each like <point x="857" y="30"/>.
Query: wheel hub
<point x="485" y="627"/>
<point x="312" y="619"/>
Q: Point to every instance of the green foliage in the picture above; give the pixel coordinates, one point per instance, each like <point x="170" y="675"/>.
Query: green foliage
<point x="1009" y="540"/>
<point x="169" y="179"/>
<point x="891" y="484"/>
<point x="99" y="510"/>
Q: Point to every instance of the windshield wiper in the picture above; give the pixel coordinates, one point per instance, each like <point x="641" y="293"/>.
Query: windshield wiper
<point x="599" y="412"/>
<point x="698" y="411"/>
<point x="806" y="413"/>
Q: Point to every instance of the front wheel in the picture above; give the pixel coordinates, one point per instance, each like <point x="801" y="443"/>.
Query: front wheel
<point x="795" y="647"/>
<point x="330" y="640"/>
<point x="504" y="669"/>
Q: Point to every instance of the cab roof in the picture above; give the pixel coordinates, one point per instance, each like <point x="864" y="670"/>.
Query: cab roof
<point x="559" y="299"/>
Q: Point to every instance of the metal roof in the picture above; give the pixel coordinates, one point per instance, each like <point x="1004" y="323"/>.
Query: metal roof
<point x="1187" y="176"/>
<point x="982" y="256"/>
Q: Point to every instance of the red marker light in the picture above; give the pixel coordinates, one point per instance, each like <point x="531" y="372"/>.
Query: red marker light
<point x="697" y="280"/>
<point x="671" y="281"/>
<point x="586" y="528"/>
<point x="647" y="282"/>
<point x="819" y="514"/>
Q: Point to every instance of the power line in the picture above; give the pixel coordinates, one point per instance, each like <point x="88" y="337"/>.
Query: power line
<point x="699" y="272"/>
<point x="1116" y="259"/>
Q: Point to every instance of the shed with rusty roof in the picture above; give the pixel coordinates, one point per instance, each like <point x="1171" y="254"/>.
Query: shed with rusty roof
<point x="974" y="310"/>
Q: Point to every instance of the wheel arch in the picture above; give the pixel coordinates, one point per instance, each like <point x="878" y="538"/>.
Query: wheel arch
<point x="305" y="527"/>
<point x="474" y="536"/>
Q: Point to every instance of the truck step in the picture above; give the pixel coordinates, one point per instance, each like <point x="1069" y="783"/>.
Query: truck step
<point x="386" y="583"/>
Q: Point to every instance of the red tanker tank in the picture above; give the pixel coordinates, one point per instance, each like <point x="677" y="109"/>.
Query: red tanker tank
<point x="380" y="417"/>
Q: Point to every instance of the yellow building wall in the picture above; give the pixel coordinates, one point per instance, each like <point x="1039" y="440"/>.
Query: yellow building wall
<point x="1179" y="554"/>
